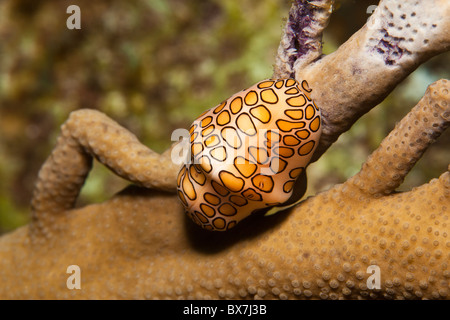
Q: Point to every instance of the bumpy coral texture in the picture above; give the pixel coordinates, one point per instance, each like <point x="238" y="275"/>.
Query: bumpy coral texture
<point x="301" y="42"/>
<point x="138" y="245"/>
<point x="398" y="37"/>
<point x="63" y="174"/>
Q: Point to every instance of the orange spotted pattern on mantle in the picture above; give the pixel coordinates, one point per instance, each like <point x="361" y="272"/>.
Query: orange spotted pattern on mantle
<point x="247" y="152"/>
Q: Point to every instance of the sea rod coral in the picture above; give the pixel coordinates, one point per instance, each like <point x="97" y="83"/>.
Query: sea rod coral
<point x="139" y="244"/>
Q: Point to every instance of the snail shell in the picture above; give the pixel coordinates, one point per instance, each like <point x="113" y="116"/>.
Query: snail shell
<point x="247" y="152"/>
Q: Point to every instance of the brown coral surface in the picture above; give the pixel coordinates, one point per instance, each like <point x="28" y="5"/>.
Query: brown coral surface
<point x="140" y="245"/>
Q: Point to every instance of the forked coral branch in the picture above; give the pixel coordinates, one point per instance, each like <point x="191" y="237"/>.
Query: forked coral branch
<point x="64" y="172"/>
<point x="399" y="36"/>
<point x="139" y="245"/>
<point x="385" y="169"/>
<point x="301" y="42"/>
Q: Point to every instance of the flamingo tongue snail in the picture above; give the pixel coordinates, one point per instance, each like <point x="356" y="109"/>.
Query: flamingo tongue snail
<point x="247" y="153"/>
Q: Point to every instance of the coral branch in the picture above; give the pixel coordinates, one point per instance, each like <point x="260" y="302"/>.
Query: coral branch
<point x="386" y="168"/>
<point x="86" y="134"/>
<point x="139" y="245"/>
<point x="399" y="36"/>
<point x="322" y="249"/>
<point x="301" y="42"/>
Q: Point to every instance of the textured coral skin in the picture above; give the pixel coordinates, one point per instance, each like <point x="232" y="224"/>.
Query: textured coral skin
<point x="301" y="42"/>
<point x="399" y="36"/>
<point x="63" y="174"/>
<point x="139" y="244"/>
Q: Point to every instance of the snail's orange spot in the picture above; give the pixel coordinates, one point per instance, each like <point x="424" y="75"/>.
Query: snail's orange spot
<point x="290" y="140"/>
<point x="287" y="126"/>
<point x="263" y="183"/>
<point x="230" y="181"/>
<point x="236" y="105"/>
<point x="292" y="91"/>
<point x="245" y="167"/>
<point x="198" y="177"/>
<point x="219" y="153"/>
<point x="252" y="195"/>
<point x="265" y="84"/>
<point x="260" y="155"/>
<point x="212" y="141"/>
<point x="284" y="152"/>
<point x="261" y="113"/>
<point x="269" y="96"/>
<point x="315" y="124"/>
<point x="310" y="112"/>
<point x="237" y="200"/>
<point x="294" y="114"/>
<point x="227" y="209"/>
<point x="220" y="189"/>
<point x="295" y="173"/>
<point x="287" y="187"/>
<point x="231" y="137"/>
<point x="207" y="210"/>
<point x="306" y="148"/>
<point x="211" y="198"/>
<point x="219" y="223"/>
<point x="245" y="124"/>
<point x="220" y="107"/>
<point x="223" y="118"/>
<point x="188" y="188"/>
<point x="206" y="121"/>
<point x="251" y="98"/>
<point x="296" y="101"/>
<point x="290" y="82"/>
<point x="302" y="134"/>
